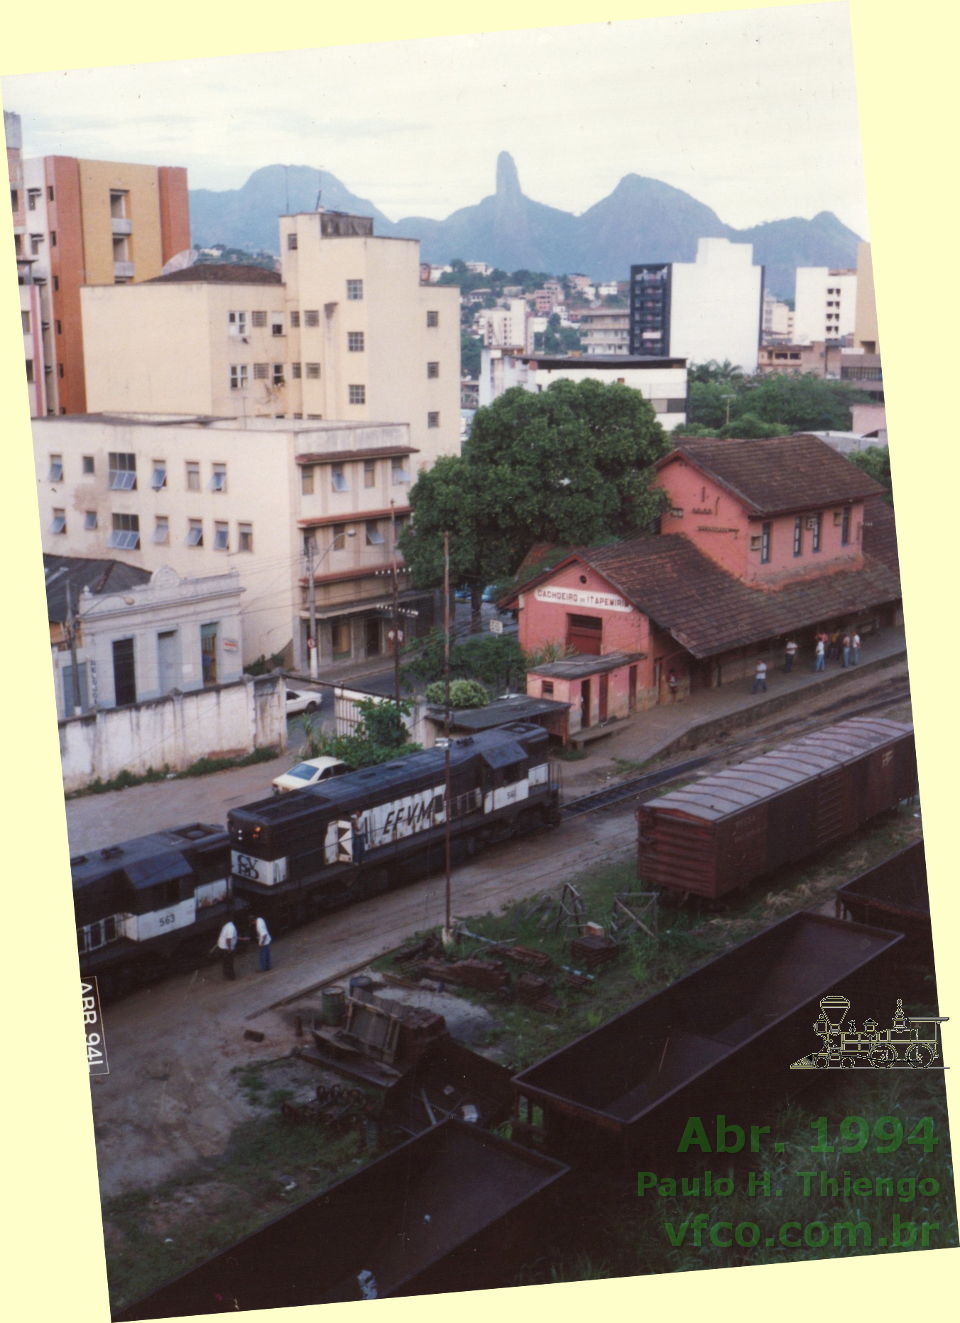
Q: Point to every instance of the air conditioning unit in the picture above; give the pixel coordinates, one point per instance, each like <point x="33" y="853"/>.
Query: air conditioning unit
<point x="811" y="521"/>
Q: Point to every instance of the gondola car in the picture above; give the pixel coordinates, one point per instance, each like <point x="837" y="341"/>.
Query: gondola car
<point x="893" y="894"/>
<point x="145" y="904"/>
<point x="366" y="831"/>
<point x="724" y="830"/>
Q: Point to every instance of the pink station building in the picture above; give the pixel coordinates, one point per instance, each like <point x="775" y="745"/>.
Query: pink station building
<point x="763" y="540"/>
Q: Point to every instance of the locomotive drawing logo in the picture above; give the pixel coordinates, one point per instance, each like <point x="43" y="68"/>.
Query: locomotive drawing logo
<point x="911" y="1042"/>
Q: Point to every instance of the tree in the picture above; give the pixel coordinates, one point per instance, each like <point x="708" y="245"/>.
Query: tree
<point x="379" y="736"/>
<point x="721" y="398"/>
<point x="570" y="465"/>
<point x="470" y="351"/>
<point x="875" y="461"/>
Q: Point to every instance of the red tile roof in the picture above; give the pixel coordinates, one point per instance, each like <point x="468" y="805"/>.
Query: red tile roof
<point x="778" y="474"/>
<point x="219" y="273"/>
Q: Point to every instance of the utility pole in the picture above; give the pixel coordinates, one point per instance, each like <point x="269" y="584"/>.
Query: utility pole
<point x="312" y="603"/>
<point x="448" y="937"/>
<point x="397" y="635"/>
<point x="74" y="667"/>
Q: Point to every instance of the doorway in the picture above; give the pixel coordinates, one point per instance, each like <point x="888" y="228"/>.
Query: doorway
<point x="124" y="672"/>
<point x="584" y="704"/>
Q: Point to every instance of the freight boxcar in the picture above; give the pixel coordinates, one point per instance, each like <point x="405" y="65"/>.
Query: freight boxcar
<point x="893" y="894"/>
<point x="450" y="1210"/>
<point x="722" y="831"/>
<point x="729" y="1027"/>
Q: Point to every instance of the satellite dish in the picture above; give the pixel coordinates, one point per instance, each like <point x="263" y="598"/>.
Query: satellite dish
<point x="179" y="262"/>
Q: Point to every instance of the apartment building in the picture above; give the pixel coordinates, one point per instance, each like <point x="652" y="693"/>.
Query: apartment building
<point x="345" y="331"/>
<point x="280" y="501"/>
<point x="825" y="304"/>
<point x="83" y="223"/>
<point x="662" y="381"/>
<point x="505" y="327"/>
<point x="603" y="331"/>
<point x="707" y="309"/>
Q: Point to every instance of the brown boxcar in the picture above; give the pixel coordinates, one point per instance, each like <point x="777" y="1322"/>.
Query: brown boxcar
<point x="447" y="1211"/>
<point x="712" y="1039"/>
<point x="724" y="830"/>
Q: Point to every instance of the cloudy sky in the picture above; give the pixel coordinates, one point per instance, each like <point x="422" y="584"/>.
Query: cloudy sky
<point x="753" y="112"/>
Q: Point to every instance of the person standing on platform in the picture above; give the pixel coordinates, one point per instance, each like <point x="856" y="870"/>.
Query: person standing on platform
<point x="672" y="685"/>
<point x="855" y="648"/>
<point x="264" y="941"/>
<point x="820" y="659"/>
<point x="760" y="679"/>
<point x="846" y="650"/>
<point x="790" y="653"/>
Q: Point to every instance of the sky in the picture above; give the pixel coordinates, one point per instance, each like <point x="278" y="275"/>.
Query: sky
<point x="753" y="112"/>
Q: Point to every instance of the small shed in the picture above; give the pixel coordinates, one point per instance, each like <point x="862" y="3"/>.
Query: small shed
<point x="545" y="712"/>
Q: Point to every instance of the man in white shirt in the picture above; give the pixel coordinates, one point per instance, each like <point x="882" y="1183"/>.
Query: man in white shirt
<point x="760" y="679"/>
<point x="263" y="943"/>
<point x="227" y="946"/>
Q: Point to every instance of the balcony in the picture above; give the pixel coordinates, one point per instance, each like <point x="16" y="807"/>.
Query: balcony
<point x="123" y="270"/>
<point x="121" y="225"/>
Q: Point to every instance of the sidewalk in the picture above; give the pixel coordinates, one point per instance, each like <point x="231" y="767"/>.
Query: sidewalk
<point x="673" y="726"/>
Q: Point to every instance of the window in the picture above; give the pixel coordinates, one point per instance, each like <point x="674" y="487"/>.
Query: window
<point x="355" y="342"/>
<point x="354" y="291"/>
<point x="25" y="322"/>
<point x="398" y="473"/>
<point x="161" y="531"/>
<point x="369" y="473"/>
<point x="193" y="476"/>
<point x="58" y="524"/>
<point x="546" y="688"/>
<point x="89" y="520"/>
<point x="195" y="533"/>
<point x="816" y="524"/>
<point x="258" y="319"/>
<point x="123" y="472"/>
<point x="276" y="323"/>
<point x="291" y="242"/>
<point x="238" y="376"/>
<point x="845" y="527"/>
<point x="33" y="195"/>
<point x="278" y="374"/>
<point x="765" y="543"/>
<point x="221" y="537"/>
<point x="56" y="469"/>
<point x="59" y="326"/>
<point x="295" y="371"/>
<point x="295" y="317"/>
<point x="53" y="238"/>
<point x="50" y="192"/>
<point x="261" y="371"/>
<point x="433" y="420"/>
<point x="338" y="479"/>
<point x="357" y="394"/>
<point x="798" y="536"/>
<point x="237" y="323"/>
<point x="125" y="533"/>
<point x="313" y="371"/>
<point x="374" y="536"/>
<point x="244" y="537"/>
<point x="159" y="479"/>
<point x="218" y="478"/>
<point x="29" y="363"/>
<point x="306" y="479"/>
<point x="311" y="317"/>
<point x="433" y="369"/>
<point x="87" y="464"/>
<point x="433" y="317"/>
<point x="339" y="537"/>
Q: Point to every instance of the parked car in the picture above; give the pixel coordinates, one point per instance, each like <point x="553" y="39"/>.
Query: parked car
<point x="302" y="700"/>
<point x="308" y="773"/>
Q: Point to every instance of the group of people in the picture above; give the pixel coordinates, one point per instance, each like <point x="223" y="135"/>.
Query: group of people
<point x="229" y="939"/>
<point x="844" y="647"/>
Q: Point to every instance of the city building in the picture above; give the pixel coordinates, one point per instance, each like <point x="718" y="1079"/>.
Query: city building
<point x="504" y="327"/>
<point x="866" y="335"/>
<point x="763" y="540"/>
<point x="604" y="331"/>
<point x="130" y="636"/>
<point x="307" y="513"/>
<point x="345" y="331"/>
<point x="825" y="304"/>
<point x="79" y="223"/>
<point x="709" y="309"/>
<point x="777" y="319"/>
<point x="662" y="381"/>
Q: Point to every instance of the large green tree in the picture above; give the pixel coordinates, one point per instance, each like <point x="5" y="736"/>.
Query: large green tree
<point x="570" y="465"/>
<point x="719" y="397"/>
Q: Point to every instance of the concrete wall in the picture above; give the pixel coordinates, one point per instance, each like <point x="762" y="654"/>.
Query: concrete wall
<point x="173" y="732"/>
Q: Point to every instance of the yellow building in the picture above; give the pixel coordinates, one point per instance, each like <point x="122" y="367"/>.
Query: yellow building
<point x="345" y="331"/>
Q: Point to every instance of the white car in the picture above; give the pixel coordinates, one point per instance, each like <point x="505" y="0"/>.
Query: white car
<point x="302" y="700"/>
<point x="308" y="773"/>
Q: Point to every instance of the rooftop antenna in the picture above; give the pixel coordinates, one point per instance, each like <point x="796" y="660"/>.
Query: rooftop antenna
<point x="316" y="205"/>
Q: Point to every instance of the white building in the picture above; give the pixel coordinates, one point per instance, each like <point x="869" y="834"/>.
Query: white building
<point x="265" y="497"/>
<point x="702" y="310"/>
<point x="505" y="327"/>
<point x="825" y="305"/>
<point x="777" y="319"/>
<point x="661" y="381"/>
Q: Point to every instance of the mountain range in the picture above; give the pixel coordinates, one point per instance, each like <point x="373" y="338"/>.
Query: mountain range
<point x="642" y="220"/>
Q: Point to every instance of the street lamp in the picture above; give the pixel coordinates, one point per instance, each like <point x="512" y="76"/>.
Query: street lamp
<point x="312" y="568"/>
